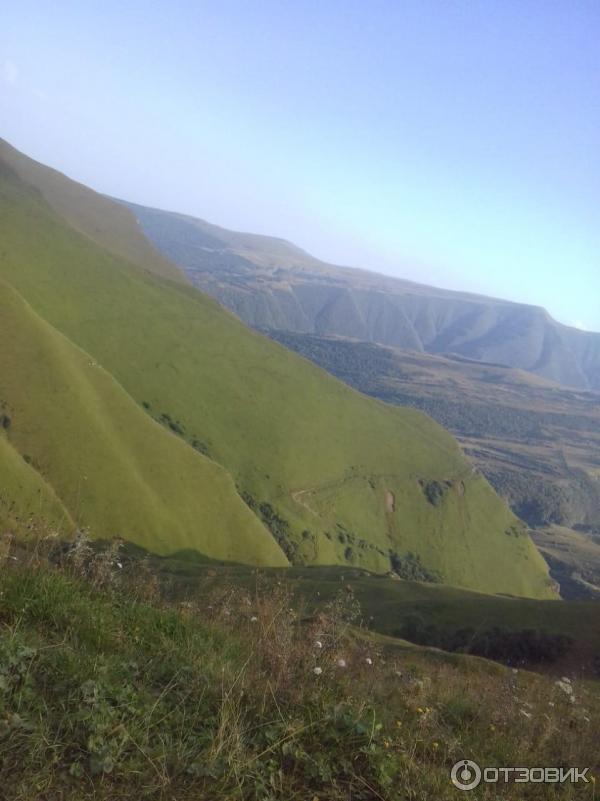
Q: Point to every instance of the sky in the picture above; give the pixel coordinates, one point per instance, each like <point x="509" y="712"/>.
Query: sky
<point x="452" y="142"/>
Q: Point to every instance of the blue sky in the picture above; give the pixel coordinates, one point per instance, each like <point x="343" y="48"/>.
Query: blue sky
<point x="454" y="142"/>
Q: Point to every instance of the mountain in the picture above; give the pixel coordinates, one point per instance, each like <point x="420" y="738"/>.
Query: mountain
<point x="270" y="283"/>
<point x="107" y="224"/>
<point x="536" y="442"/>
<point x="143" y="409"/>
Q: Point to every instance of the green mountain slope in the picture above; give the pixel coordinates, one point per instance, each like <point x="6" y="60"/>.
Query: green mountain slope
<point x="338" y="478"/>
<point x="536" y="442"/>
<point x="25" y="496"/>
<point x="110" y="225"/>
<point x="115" y="469"/>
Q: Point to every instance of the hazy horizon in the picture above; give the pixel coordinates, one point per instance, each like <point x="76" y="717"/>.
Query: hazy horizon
<point x="448" y="145"/>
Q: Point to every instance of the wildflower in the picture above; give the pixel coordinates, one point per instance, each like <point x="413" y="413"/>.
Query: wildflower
<point x="567" y="688"/>
<point x="119" y="565"/>
<point x="398" y="724"/>
<point x="318" y="644"/>
<point x="341" y="663"/>
<point x="550" y="703"/>
<point x="369" y="661"/>
<point x="317" y="671"/>
<point x="420" y="711"/>
<point x="253" y="619"/>
<point x="435" y="746"/>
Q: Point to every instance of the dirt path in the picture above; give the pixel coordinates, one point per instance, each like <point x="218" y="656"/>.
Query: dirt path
<point x="297" y="497"/>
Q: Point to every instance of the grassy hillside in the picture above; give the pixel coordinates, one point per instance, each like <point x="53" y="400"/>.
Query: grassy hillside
<point x="108" y="692"/>
<point x="110" y="225"/>
<point x="433" y="614"/>
<point x="25" y="498"/>
<point x="338" y="478"/>
<point x="535" y="441"/>
<point x="113" y="468"/>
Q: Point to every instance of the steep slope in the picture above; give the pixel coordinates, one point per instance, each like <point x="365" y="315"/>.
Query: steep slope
<point x="272" y="284"/>
<point x="113" y="468"/>
<point x="337" y="477"/>
<point x="111" y="226"/>
<point x="536" y="442"/>
<point x="25" y="497"/>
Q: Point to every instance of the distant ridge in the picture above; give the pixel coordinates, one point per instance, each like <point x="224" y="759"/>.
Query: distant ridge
<point x="272" y="284"/>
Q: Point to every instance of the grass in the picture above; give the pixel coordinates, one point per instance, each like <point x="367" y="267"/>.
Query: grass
<point x="95" y="216"/>
<point x="128" y="474"/>
<point x="391" y="608"/>
<point x="326" y="459"/>
<point x="109" y="692"/>
<point x="534" y="441"/>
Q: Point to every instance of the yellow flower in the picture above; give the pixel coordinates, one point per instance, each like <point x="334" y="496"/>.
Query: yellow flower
<point x="435" y="746"/>
<point x="398" y="723"/>
<point x="420" y="711"/>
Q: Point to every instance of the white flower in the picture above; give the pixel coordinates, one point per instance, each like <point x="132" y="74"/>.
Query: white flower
<point x="318" y="644"/>
<point x="369" y="661"/>
<point x="317" y="671"/>
<point x="341" y="663"/>
<point x="565" y="686"/>
<point x="550" y="703"/>
<point x="253" y="619"/>
<point x="119" y="565"/>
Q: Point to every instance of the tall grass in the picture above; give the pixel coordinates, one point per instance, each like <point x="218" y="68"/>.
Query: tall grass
<point x="108" y="691"/>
